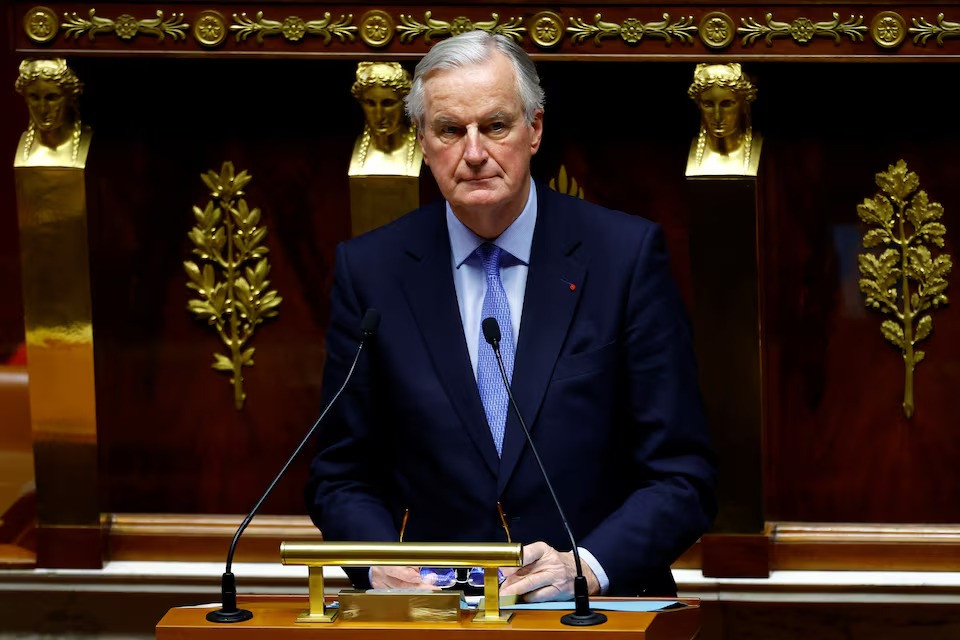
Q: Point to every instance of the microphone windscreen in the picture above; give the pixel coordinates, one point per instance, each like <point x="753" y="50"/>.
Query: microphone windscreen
<point x="491" y="330"/>
<point x="370" y="322"/>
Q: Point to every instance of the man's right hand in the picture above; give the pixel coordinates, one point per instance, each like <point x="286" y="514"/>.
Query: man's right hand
<point x="399" y="578"/>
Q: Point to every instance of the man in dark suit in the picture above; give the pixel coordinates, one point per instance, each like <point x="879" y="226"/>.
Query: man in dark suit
<point x="595" y="341"/>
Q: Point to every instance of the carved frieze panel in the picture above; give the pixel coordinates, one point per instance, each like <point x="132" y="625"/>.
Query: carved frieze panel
<point x="586" y="30"/>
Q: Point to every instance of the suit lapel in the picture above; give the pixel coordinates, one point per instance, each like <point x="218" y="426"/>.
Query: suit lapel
<point x="428" y="286"/>
<point x="554" y="284"/>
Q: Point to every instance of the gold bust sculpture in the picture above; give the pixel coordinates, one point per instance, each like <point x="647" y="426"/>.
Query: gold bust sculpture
<point x="55" y="137"/>
<point x="388" y="145"/>
<point x="727" y="144"/>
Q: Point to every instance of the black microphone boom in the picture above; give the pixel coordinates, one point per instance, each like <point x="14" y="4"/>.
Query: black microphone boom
<point x="582" y="615"/>
<point x="228" y="588"/>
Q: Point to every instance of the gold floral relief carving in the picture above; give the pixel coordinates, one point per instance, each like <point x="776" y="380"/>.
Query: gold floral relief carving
<point x="923" y="30"/>
<point x="411" y="28"/>
<point x="126" y="27"/>
<point x="546" y="29"/>
<point x="632" y="30"/>
<point x="717" y="30"/>
<point x="888" y="29"/>
<point x="210" y="28"/>
<point x="377" y="28"/>
<point x="902" y="278"/>
<point x="41" y="24"/>
<point x="802" y="30"/>
<point x="230" y="274"/>
<point x="294" y="28"/>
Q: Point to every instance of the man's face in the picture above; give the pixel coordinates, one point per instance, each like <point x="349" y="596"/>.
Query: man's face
<point x="383" y="109"/>
<point x="478" y="144"/>
<point x="47" y="104"/>
<point x="721" y="109"/>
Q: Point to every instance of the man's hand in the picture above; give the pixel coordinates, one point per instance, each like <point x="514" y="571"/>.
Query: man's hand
<point x="399" y="578"/>
<point x="546" y="574"/>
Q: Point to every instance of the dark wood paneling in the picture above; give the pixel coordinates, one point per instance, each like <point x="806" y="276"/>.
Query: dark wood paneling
<point x="839" y="447"/>
<point x="170" y="437"/>
<point x="11" y="105"/>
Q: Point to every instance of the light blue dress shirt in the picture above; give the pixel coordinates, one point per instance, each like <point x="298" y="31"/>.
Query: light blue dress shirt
<point x="471" y="285"/>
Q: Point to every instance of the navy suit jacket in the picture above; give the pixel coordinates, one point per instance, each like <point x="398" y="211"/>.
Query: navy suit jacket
<point x="604" y="377"/>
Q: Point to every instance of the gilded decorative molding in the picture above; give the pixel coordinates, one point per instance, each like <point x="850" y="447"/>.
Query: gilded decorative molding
<point x="546" y="29"/>
<point x="802" y="30"/>
<point x="566" y="184"/>
<point x="210" y="28"/>
<point x="41" y="24"/>
<point x="924" y="30"/>
<point x="717" y="30"/>
<point x="377" y="28"/>
<point x="411" y="28"/>
<point x="905" y="280"/>
<point x="125" y="26"/>
<point x="231" y="244"/>
<point x="632" y="30"/>
<point x="888" y="29"/>
<point x="294" y="28"/>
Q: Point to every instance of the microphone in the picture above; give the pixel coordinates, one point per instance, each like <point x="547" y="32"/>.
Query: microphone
<point x="582" y="615"/>
<point x="228" y="587"/>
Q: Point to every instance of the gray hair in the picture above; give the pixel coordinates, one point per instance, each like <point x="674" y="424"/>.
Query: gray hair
<point x="470" y="48"/>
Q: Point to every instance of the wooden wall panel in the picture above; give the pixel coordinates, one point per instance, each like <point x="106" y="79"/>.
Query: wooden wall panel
<point x="839" y="447"/>
<point x="11" y="104"/>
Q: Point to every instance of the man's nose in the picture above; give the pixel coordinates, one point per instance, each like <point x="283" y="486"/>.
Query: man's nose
<point x="475" y="153"/>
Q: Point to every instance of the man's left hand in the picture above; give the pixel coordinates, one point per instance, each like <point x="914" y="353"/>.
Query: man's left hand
<point x="546" y="574"/>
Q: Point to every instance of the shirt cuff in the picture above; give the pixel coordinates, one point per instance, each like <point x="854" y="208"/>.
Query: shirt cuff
<point x="598" y="571"/>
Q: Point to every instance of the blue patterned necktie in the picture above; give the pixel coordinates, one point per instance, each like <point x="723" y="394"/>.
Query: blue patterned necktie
<point x="492" y="391"/>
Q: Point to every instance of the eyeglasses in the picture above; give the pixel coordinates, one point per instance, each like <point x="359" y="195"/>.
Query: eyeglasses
<point x="446" y="578"/>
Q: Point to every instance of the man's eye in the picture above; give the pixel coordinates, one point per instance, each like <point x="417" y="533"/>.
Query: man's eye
<point x="449" y="130"/>
<point x="497" y="126"/>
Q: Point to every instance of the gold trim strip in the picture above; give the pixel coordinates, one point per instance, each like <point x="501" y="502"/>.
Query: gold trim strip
<point x="294" y="28"/>
<point x="797" y="533"/>
<point x="802" y="29"/>
<point x="126" y="27"/>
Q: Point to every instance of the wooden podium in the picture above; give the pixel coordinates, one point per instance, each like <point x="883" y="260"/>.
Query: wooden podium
<point x="273" y="619"/>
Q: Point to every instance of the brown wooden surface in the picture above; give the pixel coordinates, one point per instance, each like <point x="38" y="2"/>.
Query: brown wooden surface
<point x="274" y="619"/>
<point x="839" y="448"/>
<point x="11" y="304"/>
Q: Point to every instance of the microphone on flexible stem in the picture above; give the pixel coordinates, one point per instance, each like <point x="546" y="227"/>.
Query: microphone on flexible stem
<point x="582" y="615"/>
<point x="228" y="588"/>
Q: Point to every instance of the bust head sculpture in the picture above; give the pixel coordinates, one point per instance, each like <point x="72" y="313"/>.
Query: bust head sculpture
<point x="388" y="145"/>
<point x="726" y="143"/>
<point x="53" y="136"/>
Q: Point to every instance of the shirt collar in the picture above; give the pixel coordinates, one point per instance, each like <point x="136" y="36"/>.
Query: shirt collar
<point x="516" y="239"/>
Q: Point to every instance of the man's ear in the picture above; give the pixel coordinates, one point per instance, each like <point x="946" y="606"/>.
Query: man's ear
<point x="423" y="148"/>
<point x="537" y="126"/>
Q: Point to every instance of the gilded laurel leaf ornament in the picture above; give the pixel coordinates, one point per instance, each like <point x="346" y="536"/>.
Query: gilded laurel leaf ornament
<point x="410" y="28"/>
<point x="566" y="184"/>
<point x="802" y="30"/>
<point x="901" y="277"/>
<point x="125" y="26"/>
<point x="230" y="274"/>
<point x="923" y="30"/>
<point x="632" y="30"/>
<point x="294" y="28"/>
